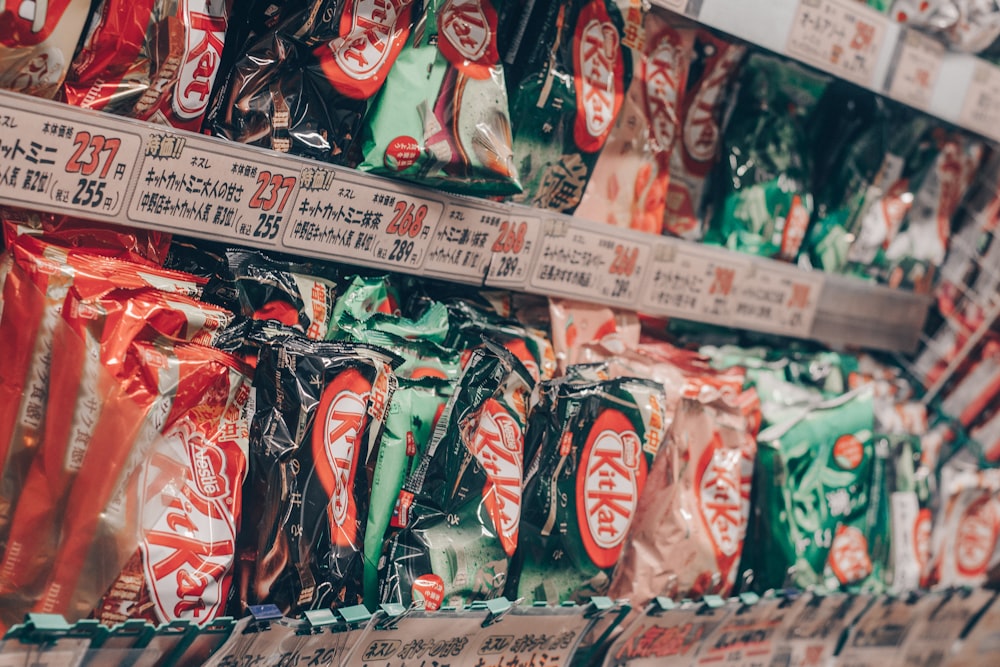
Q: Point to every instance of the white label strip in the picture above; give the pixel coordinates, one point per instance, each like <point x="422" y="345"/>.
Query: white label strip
<point x="843" y="37"/>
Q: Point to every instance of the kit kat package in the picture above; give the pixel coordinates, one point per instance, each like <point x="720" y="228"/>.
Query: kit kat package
<point x="37" y="41"/>
<point x="320" y="411"/>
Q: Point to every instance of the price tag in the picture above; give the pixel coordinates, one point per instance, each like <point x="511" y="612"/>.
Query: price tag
<point x="193" y="185"/>
<point x="812" y="628"/>
<point x="588" y="264"/>
<point x="877" y="637"/>
<point x="981" y="109"/>
<point x="934" y="634"/>
<point x="463" y="242"/>
<point x="843" y="37"/>
<point x="694" y="284"/>
<point x="36" y="657"/>
<point x="514" y="244"/>
<point x="420" y="638"/>
<point x="53" y="164"/>
<point x="525" y="639"/>
<point x="746" y="637"/>
<point x="778" y="300"/>
<point x="982" y="644"/>
<point x="670" y="639"/>
<point x="918" y="62"/>
<point x="362" y="223"/>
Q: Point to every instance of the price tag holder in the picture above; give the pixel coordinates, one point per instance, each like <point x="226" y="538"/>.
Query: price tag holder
<point x="515" y="242"/>
<point x="209" y="188"/>
<point x="666" y="639"/>
<point x="50" y="163"/>
<point x="419" y="638"/>
<point x="981" y="109"/>
<point x="916" y="68"/>
<point x="692" y="283"/>
<point x="586" y="264"/>
<point x="746" y="638"/>
<point x="842" y="37"/>
<point x="528" y="636"/>
<point x="38" y="657"/>
<point x="467" y="238"/>
<point x="362" y="223"/>
<point x="777" y="300"/>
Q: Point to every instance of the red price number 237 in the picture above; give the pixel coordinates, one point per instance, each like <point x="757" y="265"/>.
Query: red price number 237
<point x="273" y="190"/>
<point x="89" y="153"/>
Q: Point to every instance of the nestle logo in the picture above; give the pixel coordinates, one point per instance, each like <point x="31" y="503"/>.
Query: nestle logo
<point x="209" y="468"/>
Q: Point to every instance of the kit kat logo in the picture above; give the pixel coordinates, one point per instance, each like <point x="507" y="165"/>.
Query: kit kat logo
<point x="467" y="36"/>
<point x="608" y="483"/>
<point x="209" y="467"/>
<point x="849" y="558"/>
<point x="976" y="536"/>
<point x="340" y="420"/>
<point x="30" y="22"/>
<point x="205" y="31"/>
<point x="723" y="486"/>
<point x="372" y="33"/>
<point x="498" y="445"/>
<point x="665" y="71"/>
<point x="701" y="127"/>
<point x="600" y="76"/>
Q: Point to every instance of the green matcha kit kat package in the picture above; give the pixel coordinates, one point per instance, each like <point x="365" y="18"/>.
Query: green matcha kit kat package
<point x="763" y="197"/>
<point x="566" y="92"/>
<point x="460" y="511"/>
<point x="442" y="117"/>
<point x="593" y="449"/>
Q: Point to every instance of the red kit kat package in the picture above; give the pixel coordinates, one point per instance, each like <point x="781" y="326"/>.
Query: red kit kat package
<point x="37" y="40"/>
<point x="151" y="59"/>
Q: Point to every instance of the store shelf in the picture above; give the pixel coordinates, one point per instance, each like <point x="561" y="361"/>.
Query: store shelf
<point x="854" y="42"/>
<point x="59" y="158"/>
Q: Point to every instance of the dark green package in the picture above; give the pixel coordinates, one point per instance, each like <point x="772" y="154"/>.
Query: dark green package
<point x="594" y="446"/>
<point x="459" y="512"/>
<point x="568" y="79"/>
<point x="763" y="198"/>
<point x="362" y="298"/>
<point x="413" y="412"/>
<point x="813" y="524"/>
<point x="442" y="118"/>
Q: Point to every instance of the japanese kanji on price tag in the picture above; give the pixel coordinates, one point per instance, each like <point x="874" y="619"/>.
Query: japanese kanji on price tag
<point x="877" y="637"/>
<point x="514" y="241"/>
<point x="746" y="638"/>
<point x="981" y="109"/>
<point x="590" y="265"/>
<point x="670" y="639"/>
<point x="37" y="657"/>
<point x="843" y="37"/>
<point x="58" y="165"/>
<point x="775" y="299"/>
<point x="362" y="223"/>
<point x="422" y="638"/>
<point x="692" y="283"/>
<point x="529" y="640"/>
<point x="206" y="187"/>
<point x="918" y="62"/>
<point x="934" y="634"/>
<point x="812" y="627"/>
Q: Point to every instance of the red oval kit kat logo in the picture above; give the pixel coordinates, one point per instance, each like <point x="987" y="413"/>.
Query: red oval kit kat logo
<point x="340" y="421"/>
<point x="701" y="126"/>
<point x="666" y="68"/>
<point x="723" y="483"/>
<point x="209" y="467"/>
<point x="29" y="22"/>
<point x="467" y="36"/>
<point x="498" y="445"/>
<point x="205" y="35"/>
<point x="600" y="76"/>
<point x="976" y="536"/>
<point x="372" y="33"/>
<point x="849" y="558"/>
<point x="848" y="452"/>
<point x="609" y="480"/>
<point x="430" y="589"/>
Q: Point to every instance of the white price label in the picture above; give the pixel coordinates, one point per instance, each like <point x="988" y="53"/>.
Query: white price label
<point x="777" y="300"/>
<point x="981" y="109"/>
<point x="933" y="636"/>
<point x="356" y="222"/>
<point x="419" y="639"/>
<point x="879" y="634"/>
<point x="588" y="264"/>
<point x="917" y="67"/>
<point x="843" y="37"/>
<point x="747" y="638"/>
<point x="466" y="240"/>
<point x="52" y="164"/>
<point x="204" y="187"/>
<point x="529" y="639"/>
<point x="690" y="283"/>
<point x="514" y="241"/>
<point x="670" y="639"/>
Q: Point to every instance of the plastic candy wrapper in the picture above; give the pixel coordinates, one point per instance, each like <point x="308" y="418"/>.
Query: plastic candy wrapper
<point x="460" y="511"/>
<point x="714" y="64"/>
<point x="154" y="60"/>
<point x="321" y="408"/>
<point x="456" y="132"/>
<point x="594" y="447"/>
<point x="687" y="534"/>
<point x="566" y="94"/>
<point x="628" y="186"/>
<point x="905" y="507"/>
<point x="813" y="523"/>
<point x="966" y="25"/>
<point x="90" y="351"/>
<point x="304" y="86"/>
<point x="764" y="197"/>
<point x="576" y="324"/>
<point x="37" y="41"/>
<point x="162" y="385"/>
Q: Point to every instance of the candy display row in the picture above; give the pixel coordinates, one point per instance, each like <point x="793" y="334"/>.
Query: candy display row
<point x="639" y="119"/>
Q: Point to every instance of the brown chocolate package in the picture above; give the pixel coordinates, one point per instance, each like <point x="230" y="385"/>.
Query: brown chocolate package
<point x="687" y="535"/>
